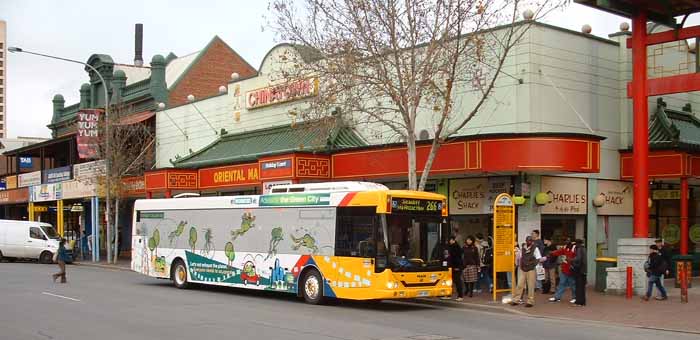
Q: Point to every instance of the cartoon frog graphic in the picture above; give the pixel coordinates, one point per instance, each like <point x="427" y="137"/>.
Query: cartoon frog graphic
<point x="249" y="274"/>
<point x="177" y="232"/>
<point x="275" y="238"/>
<point x="307" y="241"/>
<point x="247" y="220"/>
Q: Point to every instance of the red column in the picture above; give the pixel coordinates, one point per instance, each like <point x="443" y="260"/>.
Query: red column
<point x="684" y="216"/>
<point x="640" y="134"/>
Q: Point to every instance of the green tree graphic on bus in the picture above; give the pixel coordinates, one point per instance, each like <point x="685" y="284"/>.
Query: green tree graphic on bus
<point x="193" y="238"/>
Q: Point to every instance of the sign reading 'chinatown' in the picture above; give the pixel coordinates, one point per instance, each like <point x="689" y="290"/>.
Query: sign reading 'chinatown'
<point x="567" y="195"/>
<point x="278" y="94"/>
<point x="88" y="133"/>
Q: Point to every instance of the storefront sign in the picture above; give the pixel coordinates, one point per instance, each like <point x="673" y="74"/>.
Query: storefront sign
<point x="695" y="233"/>
<point x="89" y="170"/>
<point x="11" y="182"/>
<point x="40" y="208"/>
<point x="283" y="164"/>
<point x="79" y="189"/>
<point x="29" y="179"/>
<point x="46" y="192"/>
<point x="229" y="176"/>
<point x="503" y="236"/>
<point x="497" y="186"/>
<point x="56" y="175"/>
<point x="14" y="196"/>
<point x="567" y="195"/>
<point x="267" y="186"/>
<point x="415" y="206"/>
<point x="666" y="194"/>
<point x="468" y="196"/>
<point x="133" y="186"/>
<point x="618" y="198"/>
<point x="25" y="162"/>
<point x="671" y="234"/>
<point x="290" y="91"/>
<point x="88" y="138"/>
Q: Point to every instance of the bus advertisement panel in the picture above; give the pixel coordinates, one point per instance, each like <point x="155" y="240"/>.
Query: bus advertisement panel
<point x="350" y="245"/>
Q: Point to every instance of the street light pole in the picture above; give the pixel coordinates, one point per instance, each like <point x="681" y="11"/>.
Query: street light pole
<point x="107" y="140"/>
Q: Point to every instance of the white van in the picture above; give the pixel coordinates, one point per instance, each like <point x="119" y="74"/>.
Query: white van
<point x="28" y="240"/>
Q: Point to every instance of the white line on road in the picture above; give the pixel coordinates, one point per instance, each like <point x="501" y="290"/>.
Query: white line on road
<point x="60" y="296"/>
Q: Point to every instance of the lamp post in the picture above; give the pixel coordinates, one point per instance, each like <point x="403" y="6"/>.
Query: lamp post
<point x="15" y="49"/>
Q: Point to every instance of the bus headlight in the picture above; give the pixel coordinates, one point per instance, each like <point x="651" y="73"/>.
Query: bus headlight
<point x="392" y="285"/>
<point x="447" y="283"/>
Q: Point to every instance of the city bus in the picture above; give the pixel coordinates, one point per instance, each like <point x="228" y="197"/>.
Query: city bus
<point x="344" y="240"/>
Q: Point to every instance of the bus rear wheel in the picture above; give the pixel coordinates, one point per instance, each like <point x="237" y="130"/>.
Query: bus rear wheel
<point x="312" y="287"/>
<point x="179" y="275"/>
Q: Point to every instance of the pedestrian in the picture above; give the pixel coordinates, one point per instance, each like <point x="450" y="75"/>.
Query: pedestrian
<point x="486" y="258"/>
<point x="529" y="258"/>
<point x="550" y="267"/>
<point x="579" y="269"/>
<point x="655" y="266"/>
<point x="540" y="245"/>
<point x="665" y="253"/>
<point x="456" y="263"/>
<point x="61" y="257"/>
<point x="471" y="264"/>
<point x="566" y="277"/>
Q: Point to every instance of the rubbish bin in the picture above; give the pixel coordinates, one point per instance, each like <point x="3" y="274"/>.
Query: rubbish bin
<point x="602" y="263"/>
<point x="686" y="261"/>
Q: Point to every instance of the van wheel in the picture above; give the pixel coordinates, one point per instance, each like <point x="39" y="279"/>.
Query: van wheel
<point x="312" y="287"/>
<point x="46" y="257"/>
<point x="179" y="275"/>
<point x="1" y="257"/>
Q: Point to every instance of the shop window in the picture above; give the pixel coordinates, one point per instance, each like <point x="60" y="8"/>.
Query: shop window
<point x="36" y="233"/>
<point x="355" y="232"/>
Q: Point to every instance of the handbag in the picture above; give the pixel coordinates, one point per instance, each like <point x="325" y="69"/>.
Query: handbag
<point x="55" y="257"/>
<point x="540" y="272"/>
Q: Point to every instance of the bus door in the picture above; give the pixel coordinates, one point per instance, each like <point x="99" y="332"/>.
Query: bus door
<point x="356" y="246"/>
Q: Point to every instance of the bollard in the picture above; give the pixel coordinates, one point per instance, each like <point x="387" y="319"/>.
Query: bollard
<point x="630" y="283"/>
<point x="684" y="285"/>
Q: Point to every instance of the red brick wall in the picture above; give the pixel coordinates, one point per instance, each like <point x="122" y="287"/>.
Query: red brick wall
<point x="212" y="70"/>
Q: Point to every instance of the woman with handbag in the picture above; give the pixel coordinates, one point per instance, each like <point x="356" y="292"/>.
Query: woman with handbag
<point x="471" y="264"/>
<point x="60" y="257"/>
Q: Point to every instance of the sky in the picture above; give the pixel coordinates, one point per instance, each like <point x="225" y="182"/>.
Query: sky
<point x="77" y="29"/>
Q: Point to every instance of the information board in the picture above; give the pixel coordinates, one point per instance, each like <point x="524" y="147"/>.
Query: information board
<point x="503" y="238"/>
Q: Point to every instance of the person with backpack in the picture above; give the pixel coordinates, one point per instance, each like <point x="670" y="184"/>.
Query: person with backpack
<point x="665" y="253"/>
<point x="550" y="267"/>
<point x="655" y="266"/>
<point x="527" y="275"/>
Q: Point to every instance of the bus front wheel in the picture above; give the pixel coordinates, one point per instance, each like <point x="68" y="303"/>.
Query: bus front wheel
<point x="312" y="287"/>
<point x="179" y="275"/>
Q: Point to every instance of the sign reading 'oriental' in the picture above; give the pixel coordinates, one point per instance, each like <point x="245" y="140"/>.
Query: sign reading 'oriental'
<point x="287" y="92"/>
<point x="88" y="133"/>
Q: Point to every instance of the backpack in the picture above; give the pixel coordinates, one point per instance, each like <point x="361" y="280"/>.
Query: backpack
<point x="487" y="256"/>
<point x="528" y="260"/>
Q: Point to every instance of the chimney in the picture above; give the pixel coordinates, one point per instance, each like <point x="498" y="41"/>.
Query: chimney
<point x="138" y="57"/>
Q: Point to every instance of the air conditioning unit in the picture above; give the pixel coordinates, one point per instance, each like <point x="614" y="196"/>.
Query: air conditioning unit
<point x="424" y="135"/>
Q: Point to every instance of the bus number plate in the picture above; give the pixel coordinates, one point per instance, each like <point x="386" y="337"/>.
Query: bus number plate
<point x="423" y="293"/>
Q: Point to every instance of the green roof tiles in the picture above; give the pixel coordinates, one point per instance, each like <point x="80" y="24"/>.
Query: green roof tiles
<point x="673" y="129"/>
<point x="248" y="146"/>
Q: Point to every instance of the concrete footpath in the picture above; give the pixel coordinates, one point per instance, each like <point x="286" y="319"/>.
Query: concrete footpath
<point x="671" y="315"/>
<point x="124" y="265"/>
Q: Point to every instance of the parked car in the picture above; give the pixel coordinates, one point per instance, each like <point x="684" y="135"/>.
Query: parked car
<point x="28" y="240"/>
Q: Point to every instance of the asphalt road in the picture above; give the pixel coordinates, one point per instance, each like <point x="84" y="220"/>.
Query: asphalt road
<point x="106" y="304"/>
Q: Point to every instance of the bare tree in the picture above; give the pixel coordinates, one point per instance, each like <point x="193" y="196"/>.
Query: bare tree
<point x="130" y="153"/>
<point x="400" y="64"/>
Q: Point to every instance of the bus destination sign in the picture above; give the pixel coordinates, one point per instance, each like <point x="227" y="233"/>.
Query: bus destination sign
<point x="415" y="206"/>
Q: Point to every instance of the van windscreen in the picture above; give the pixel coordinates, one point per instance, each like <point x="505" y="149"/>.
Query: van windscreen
<point x="50" y="231"/>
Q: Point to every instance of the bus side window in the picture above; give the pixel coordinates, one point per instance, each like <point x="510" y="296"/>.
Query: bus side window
<point x="355" y="232"/>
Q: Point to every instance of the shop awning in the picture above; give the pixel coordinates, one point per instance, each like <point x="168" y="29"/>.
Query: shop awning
<point x="673" y="129"/>
<point x="248" y="146"/>
<point x="135" y="118"/>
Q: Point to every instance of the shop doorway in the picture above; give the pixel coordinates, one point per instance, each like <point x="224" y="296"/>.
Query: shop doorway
<point x="563" y="227"/>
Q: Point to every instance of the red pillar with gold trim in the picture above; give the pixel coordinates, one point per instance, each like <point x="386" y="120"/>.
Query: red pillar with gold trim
<point x="640" y="125"/>
<point x="684" y="216"/>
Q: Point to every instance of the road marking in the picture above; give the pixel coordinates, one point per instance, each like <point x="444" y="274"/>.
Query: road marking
<point x="60" y="296"/>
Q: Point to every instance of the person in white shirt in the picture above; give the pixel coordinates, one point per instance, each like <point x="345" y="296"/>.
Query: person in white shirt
<point x="527" y="275"/>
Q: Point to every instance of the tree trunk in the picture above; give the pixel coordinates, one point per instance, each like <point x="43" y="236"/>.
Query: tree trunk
<point x="429" y="164"/>
<point x="411" y="149"/>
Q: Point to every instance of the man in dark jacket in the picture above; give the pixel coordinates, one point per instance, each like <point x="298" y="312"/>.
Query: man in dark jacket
<point x="529" y="258"/>
<point x="456" y="262"/>
<point x="579" y="268"/>
<point x="655" y="268"/>
<point x="550" y="266"/>
<point x="665" y="253"/>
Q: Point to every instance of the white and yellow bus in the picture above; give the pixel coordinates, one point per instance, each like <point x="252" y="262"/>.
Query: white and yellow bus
<point x="346" y="240"/>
